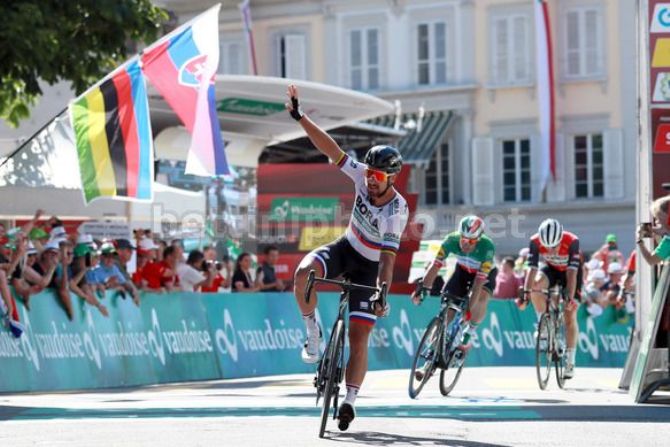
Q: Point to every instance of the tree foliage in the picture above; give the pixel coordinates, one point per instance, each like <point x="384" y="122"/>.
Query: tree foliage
<point x="73" y="40"/>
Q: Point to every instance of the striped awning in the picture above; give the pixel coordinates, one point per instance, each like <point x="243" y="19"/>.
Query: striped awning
<point x="419" y="144"/>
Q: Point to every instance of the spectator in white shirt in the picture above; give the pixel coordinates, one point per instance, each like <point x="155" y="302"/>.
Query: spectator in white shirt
<point x="191" y="274"/>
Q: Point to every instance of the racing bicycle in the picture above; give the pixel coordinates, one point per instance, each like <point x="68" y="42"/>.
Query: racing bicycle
<point x="330" y="370"/>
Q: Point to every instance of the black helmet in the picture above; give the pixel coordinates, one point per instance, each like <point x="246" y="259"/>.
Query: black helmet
<point x="384" y="158"/>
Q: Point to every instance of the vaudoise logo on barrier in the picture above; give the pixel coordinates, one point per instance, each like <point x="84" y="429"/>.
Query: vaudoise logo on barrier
<point x="61" y="342"/>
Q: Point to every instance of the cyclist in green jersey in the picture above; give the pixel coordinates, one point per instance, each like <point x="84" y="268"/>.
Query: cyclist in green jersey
<point x="475" y="271"/>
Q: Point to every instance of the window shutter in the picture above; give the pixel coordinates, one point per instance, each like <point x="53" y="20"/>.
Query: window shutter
<point x="573" y="43"/>
<point x="296" y="64"/>
<point x="501" y="57"/>
<point x="591" y="47"/>
<point x="482" y="171"/>
<point x="521" y="62"/>
<point x="556" y="188"/>
<point x="613" y="154"/>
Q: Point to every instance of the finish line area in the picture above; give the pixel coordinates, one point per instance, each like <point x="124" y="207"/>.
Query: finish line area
<point x="489" y="407"/>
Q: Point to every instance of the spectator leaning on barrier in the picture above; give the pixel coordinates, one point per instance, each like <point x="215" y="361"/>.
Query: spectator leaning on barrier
<point x="218" y="280"/>
<point x="507" y="282"/>
<point x="124" y="253"/>
<point x="191" y="273"/>
<point x="609" y="252"/>
<point x="612" y="287"/>
<point x="266" y="277"/>
<point x="147" y="275"/>
<point x="242" y="281"/>
<point x="25" y="280"/>
<point x="162" y="276"/>
<point x="78" y="283"/>
<point x="108" y="272"/>
<point x="661" y="227"/>
<point x="593" y="292"/>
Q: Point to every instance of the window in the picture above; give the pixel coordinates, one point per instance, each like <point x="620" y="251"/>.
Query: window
<point x="437" y="178"/>
<point x="511" y="49"/>
<point x="291" y="51"/>
<point x="589" y="171"/>
<point x="432" y="53"/>
<point x="364" y="59"/>
<point x="583" y="42"/>
<point x="233" y="58"/>
<point x="516" y="170"/>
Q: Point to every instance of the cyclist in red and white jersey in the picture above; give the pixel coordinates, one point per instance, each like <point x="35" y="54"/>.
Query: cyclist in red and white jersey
<point x="562" y="261"/>
<point x="365" y="253"/>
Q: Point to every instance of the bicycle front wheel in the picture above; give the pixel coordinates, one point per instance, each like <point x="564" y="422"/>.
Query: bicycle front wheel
<point x="450" y="375"/>
<point x="543" y="351"/>
<point x="425" y="358"/>
<point x="329" y="368"/>
<point x="560" y="352"/>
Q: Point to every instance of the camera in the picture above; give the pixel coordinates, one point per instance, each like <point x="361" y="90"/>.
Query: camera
<point x="646" y="229"/>
<point x="208" y="265"/>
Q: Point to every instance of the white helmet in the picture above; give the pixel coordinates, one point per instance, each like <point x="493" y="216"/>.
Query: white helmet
<point x="551" y="233"/>
<point x="471" y="227"/>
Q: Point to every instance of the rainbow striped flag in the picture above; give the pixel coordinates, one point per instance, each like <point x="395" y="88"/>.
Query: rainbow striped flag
<point x="113" y="137"/>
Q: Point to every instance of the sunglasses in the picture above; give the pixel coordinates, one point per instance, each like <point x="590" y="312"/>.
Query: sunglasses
<point x="379" y="176"/>
<point x="468" y="240"/>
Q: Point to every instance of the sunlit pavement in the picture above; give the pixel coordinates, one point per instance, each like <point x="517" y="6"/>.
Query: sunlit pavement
<point x="489" y="407"/>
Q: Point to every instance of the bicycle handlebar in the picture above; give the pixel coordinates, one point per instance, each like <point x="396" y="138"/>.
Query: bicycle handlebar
<point x="346" y="285"/>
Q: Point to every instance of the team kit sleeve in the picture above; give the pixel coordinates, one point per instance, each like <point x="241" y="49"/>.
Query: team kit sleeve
<point x="445" y="250"/>
<point x="395" y="226"/>
<point x="352" y="168"/>
<point x="488" y="262"/>
<point x="533" y="255"/>
<point x="574" y="256"/>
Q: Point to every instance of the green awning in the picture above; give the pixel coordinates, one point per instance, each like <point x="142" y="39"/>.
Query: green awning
<point x="418" y="146"/>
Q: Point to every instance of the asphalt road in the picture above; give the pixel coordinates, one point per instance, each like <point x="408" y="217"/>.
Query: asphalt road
<point x="489" y="407"/>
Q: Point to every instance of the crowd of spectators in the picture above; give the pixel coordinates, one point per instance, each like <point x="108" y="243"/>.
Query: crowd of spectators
<point x="43" y="255"/>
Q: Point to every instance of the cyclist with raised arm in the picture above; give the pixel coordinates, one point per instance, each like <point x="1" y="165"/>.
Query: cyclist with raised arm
<point x="562" y="265"/>
<point x="475" y="271"/>
<point x="365" y="253"/>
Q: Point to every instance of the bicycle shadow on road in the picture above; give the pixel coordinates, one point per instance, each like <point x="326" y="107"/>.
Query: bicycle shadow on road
<point x="378" y="438"/>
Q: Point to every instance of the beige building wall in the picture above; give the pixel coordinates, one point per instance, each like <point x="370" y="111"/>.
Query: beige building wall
<point x="573" y="98"/>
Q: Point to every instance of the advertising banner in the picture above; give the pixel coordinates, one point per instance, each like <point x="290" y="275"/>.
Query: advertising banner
<point x="189" y="336"/>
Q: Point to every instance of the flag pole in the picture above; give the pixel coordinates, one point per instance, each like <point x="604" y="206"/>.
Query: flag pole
<point x="108" y="76"/>
<point x="28" y="140"/>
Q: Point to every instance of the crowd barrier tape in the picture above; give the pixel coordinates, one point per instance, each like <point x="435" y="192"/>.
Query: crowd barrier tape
<point x="189" y="336"/>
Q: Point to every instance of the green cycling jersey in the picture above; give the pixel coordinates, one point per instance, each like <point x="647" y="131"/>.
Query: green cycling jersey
<point x="478" y="260"/>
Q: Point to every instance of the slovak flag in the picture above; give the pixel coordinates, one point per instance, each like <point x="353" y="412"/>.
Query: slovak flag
<point x="183" y="69"/>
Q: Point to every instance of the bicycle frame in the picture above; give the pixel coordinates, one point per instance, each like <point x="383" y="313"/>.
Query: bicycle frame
<point x="330" y="371"/>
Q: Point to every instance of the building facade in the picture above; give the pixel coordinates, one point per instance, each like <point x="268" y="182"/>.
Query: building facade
<point x="473" y="64"/>
<point x="464" y="77"/>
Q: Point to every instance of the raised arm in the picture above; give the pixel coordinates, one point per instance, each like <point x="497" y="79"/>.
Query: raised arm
<point x="319" y="138"/>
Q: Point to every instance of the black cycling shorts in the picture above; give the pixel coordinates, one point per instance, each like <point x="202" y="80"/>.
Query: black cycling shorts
<point x="555" y="276"/>
<point x="339" y="259"/>
<point x="461" y="282"/>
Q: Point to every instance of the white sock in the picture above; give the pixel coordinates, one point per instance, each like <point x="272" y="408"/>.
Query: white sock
<point x="352" y="392"/>
<point x="311" y="325"/>
<point x="572" y="353"/>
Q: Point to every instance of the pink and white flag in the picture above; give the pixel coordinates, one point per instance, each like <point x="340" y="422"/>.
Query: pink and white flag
<point x="183" y="67"/>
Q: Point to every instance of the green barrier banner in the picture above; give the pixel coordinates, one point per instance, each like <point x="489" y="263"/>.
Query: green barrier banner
<point x="263" y="334"/>
<point x="167" y="340"/>
<point x="190" y="336"/>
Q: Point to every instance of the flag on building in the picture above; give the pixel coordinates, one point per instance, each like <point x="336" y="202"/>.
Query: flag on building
<point x="545" y="90"/>
<point x="245" y="10"/>
<point x="183" y="67"/>
<point x="113" y="137"/>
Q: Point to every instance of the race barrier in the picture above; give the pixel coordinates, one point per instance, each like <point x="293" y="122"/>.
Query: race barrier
<point x="189" y="336"/>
